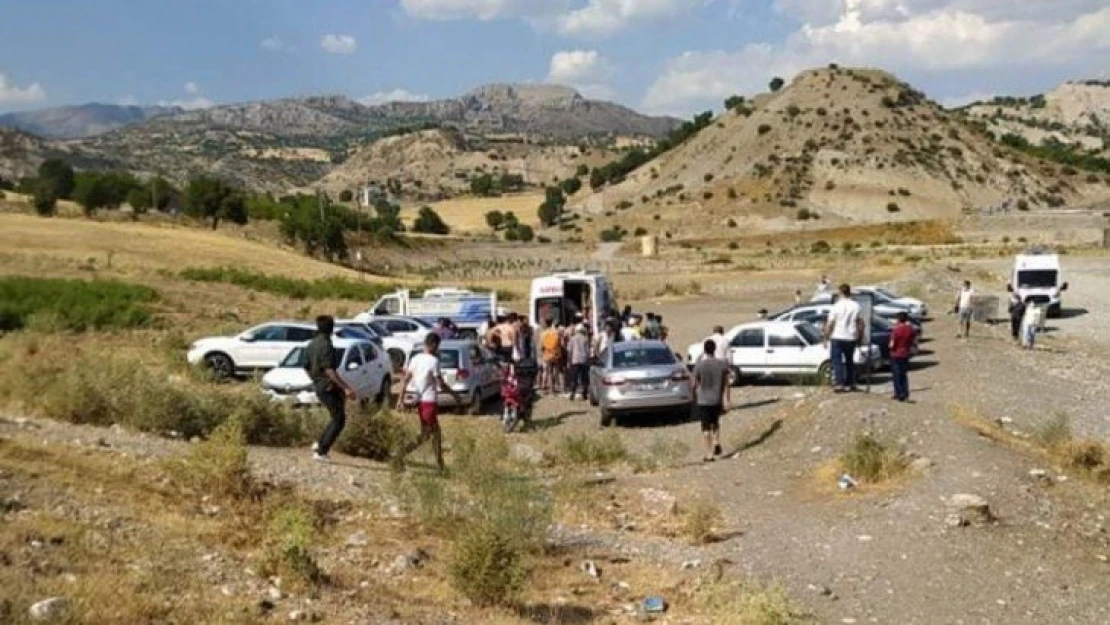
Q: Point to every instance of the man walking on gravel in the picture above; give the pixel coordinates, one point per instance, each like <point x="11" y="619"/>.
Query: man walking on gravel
<point x="901" y="345"/>
<point x="578" y="348"/>
<point x="710" y="383"/>
<point x="331" y="390"/>
<point x="843" y="331"/>
<point x="427" y="380"/>
<point x="963" y="310"/>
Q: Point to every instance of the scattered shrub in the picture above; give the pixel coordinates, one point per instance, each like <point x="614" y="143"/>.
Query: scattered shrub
<point x="732" y="193"/>
<point x="703" y="517"/>
<point x="375" y="433"/>
<point x="733" y="245"/>
<point x="872" y="461"/>
<point x="708" y="177"/>
<point x="640" y="231"/>
<point x="596" y="451"/>
<point x="893" y="207"/>
<point x="288" y="552"/>
<point x="804" y="214"/>
<point x="217" y="467"/>
<point x="731" y="222"/>
<point x="830" y="185"/>
<point x="820" y="247"/>
<point x="486" y="568"/>
<point x="72" y="305"/>
<point x="904" y="192"/>
<point x="612" y="235"/>
<point x="764" y="129"/>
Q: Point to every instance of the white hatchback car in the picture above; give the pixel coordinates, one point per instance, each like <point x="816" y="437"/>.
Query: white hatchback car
<point x="771" y="349"/>
<point x="360" y="363"/>
<point x="258" y="349"/>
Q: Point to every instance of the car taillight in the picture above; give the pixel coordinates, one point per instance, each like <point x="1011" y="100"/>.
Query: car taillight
<point x="462" y="374"/>
<point x="613" y="380"/>
<point x="680" y="376"/>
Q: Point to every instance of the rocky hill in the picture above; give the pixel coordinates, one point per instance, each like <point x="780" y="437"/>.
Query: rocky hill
<point x="435" y="164"/>
<point x="1075" y="113"/>
<point x="85" y="120"/>
<point x="282" y="144"/>
<point x="844" y="145"/>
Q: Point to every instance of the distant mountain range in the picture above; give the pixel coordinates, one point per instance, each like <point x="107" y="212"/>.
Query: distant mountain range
<point x="276" y="145"/>
<point x="81" y="121"/>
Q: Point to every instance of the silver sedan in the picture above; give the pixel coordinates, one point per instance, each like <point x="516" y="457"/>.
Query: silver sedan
<point x="639" y="377"/>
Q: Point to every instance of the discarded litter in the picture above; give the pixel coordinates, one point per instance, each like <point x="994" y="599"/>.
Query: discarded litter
<point x="846" y="481"/>
<point x="589" y="568"/>
<point x="654" y="605"/>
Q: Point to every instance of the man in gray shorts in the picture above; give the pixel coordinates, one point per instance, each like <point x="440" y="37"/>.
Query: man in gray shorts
<point x="711" y="376"/>
<point x="964" y="310"/>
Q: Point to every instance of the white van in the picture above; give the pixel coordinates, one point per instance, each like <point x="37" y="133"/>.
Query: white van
<point x="562" y="294"/>
<point x="1037" y="280"/>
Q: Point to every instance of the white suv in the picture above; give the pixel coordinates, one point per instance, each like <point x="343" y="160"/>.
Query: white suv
<point x="359" y="362"/>
<point x="781" y="349"/>
<point x="258" y="349"/>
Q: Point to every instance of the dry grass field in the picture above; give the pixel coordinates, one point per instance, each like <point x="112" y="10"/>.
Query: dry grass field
<point x="469" y="214"/>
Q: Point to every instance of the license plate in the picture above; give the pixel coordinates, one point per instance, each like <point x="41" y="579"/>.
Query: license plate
<point x="648" y="387"/>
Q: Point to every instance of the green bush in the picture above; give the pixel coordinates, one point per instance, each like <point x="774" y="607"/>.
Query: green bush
<point x="612" y="235"/>
<point x="820" y="247"/>
<point x="592" y="450"/>
<point x="321" y="288"/>
<point x="486" y="567"/>
<point x="289" y="541"/>
<point x="375" y="434"/>
<point x="72" y="305"/>
<point x="218" y="466"/>
<point x="871" y="460"/>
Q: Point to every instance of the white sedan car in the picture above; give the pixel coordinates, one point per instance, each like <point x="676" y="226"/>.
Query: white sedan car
<point x="917" y="308"/>
<point x="258" y="349"/>
<point x="771" y="349"/>
<point x="360" y="363"/>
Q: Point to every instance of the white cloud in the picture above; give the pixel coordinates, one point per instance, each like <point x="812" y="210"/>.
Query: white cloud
<point x="272" y="44"/>
<point x="11" y="94"/>
<point x="604" y="17"/>
<point x="938" y="36"/>
<point x="586" y="70"/>
<point x="339" y="44"/>
<point x="393" y="95"/>
<point x="481" y="9"/>
<point x="197" y="101"/>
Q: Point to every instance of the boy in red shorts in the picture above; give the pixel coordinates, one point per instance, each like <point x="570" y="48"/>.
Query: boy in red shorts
<point x="423" y="371"/>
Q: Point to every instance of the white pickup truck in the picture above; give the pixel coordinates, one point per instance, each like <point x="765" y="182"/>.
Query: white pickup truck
<point x="468" y="310"/>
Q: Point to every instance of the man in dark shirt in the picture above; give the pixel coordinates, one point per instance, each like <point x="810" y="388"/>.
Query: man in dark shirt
<point x="710" y="383"/>
<point x="331" y="390"/>
<point x="901" y="346"/>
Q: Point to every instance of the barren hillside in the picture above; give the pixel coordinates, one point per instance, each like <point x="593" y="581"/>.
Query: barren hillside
<point x="850" y="145"/>
<point x="1073" y="113"/>
<point x="435" y="164"/>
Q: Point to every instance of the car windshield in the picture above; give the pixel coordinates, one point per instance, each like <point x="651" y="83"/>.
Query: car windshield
<point x="1040" y="278"/>
<point x="356" y="329"/>
<point x="642" y="357"/>
<point x="380" y="328"/>
<point x="880" y="298"/>
<point x="420" y="322"/>
<point x="809" y="333"/>
<point x="887" y="294"/>
<point x="448" y="358"/>
<point x="881" y="324"/>
<point x="298" y="358"/>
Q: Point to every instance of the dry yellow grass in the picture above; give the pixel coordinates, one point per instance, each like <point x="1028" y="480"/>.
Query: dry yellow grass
<point x="469" y="214"/>
<point x="142" y="246"/>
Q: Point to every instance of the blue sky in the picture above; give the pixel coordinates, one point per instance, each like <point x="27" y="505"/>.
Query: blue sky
<point x="663" y="56"/>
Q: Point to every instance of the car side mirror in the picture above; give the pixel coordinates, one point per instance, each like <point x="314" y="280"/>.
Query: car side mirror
<point x="246" y="338"/>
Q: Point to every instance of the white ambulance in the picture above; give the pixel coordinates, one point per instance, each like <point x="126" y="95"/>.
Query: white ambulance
<point x="562" y="294"/>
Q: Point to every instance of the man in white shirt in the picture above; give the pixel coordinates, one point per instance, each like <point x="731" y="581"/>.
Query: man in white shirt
<point x="427" y="380"/>
<point x="963" y="310"/>
<point x="823" y="286"/>
<point x="843" y="330"/>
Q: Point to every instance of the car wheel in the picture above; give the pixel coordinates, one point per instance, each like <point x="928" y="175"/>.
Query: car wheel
<point x="824" y="374"/>
<point x="607" y="417"/>
<point x="734" y="376"/>
<point x="220" y="365"/>
<point x="397" y="359"/>
<point x="384" y="394"/>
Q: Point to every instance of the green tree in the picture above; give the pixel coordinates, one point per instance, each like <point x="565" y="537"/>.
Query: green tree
<point x="582" y="170"/>
<point x="211" y="198"/>
<point x="58" y="174"/>
<point x="552" y="208"/>
<point x="494" y="219"/>
<point x="733" y="101"/>
<point x="511" y="182"/>
<point x="92" y="192"/>
<point x="510" y="220"/>
<point x="482" y="185"/>
<point x="571" y="186"/>
<point x="346" y="195"/>
<point x="525" y="233"/>
<point x="140" y="200"/>
<point x="776" y="84"/>
<point x="45" y="200"/>
<point x="429" y="222"/>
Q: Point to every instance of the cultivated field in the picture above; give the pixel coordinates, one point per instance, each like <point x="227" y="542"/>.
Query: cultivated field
<point x="469" y="214"/>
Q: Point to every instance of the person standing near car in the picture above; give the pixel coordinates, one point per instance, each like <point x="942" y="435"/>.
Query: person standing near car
<point x="901" y="346"/>
<point x="578" y="348"/>
<point x="1017" y="313"/>
<point x="843" y="330"/>
<point x="330" y="389"/>
<point x="710" y="385"/>
<point x="427" y="381"/>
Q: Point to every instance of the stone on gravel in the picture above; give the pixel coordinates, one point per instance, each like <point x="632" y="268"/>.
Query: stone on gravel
<point x="921" y="464"/>
<point x="969" y="510"/>
<point x="408" y="561"/>
<point x="52" y="609"/>
<point x="273" y="593"/>
<point x="298" y="615"/>
<point x="358" y="539"/>
<point x="659" y="502"/>
<point x="525" y="454"/>
<point x="691" y="564"/>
